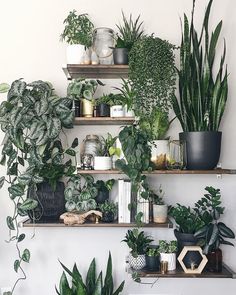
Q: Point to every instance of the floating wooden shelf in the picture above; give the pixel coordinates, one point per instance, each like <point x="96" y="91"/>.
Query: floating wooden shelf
<point x="104" y="121"/>
<point x="179" y="273"/>
<point x="96" y="71"/>
<point x="173" y="172"/>
<point x="28" y="223"/>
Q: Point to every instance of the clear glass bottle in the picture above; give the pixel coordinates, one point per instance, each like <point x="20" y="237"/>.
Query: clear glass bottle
<point x="103" y="44"/>
<point x="91" y="144"/>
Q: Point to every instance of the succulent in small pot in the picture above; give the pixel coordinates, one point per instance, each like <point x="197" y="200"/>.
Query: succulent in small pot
<point x="138" y="243"/>
<point x="160" y="209"/>
<point x="167" y="252"/>
<point x="152" y="258"/>
<point x="103" y="188"/>
<point x="78" y="34"/>
<point x="109" y="211"/>
<point x="128" y="33"/>
<point x="103" y="160"/>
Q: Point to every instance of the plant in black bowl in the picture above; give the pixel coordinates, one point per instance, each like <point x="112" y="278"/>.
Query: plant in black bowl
<point x="152" y="259"/>
<point x="109" y="211"/>
<point x="103" y="188"/>
<point x="128" y="33"/>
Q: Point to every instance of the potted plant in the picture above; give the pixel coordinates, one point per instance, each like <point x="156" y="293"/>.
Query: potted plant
<point x="109" y="211"/>
<point x="80" y="193"/>
<point x="156" y="125"/>
<point x="152" y="258"/>
<point x="81" y="90"/>
<point x="32" y="119"/>
<point x="168" y="253"/>
<point x="128" y="97"/>
<point x="103" y="106"/>
<point x="128" y="33"/>
<point x="203" y="89"/>
<point x="116" y="103"/>
<point x="215" y="232"/>
<point x="138" y="243"/>
<point x="103" y="158"/>
<point x="92" y="284"/>
<point x="152" y="74"/>
<point x="160" y="209"/>
<point x="103" y="188"/>
<point x="78" y="34"/>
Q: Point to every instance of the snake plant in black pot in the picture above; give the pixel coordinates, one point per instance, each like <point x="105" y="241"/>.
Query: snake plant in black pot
<point x="203" y="89"/>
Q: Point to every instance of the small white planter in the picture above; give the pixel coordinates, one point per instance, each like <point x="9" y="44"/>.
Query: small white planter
<point x="102" y="163"/>
<point x="170" y="258"/>
<point x="138" y="262"/>
<point x="160" y="153"/>
<point x="117" y="111"/>
<point x="160" y="213"/>
<point x="128" y="113"/>
<point x="74" y="54"/>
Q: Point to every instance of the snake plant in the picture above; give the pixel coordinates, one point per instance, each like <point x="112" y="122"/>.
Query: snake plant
<point x="203" y="87"/>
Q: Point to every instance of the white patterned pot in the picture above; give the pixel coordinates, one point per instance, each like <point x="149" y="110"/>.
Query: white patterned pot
<point x="74" y="54"/>
<point x="102" y="163"/>
<point x="170" y="258"/>
<point x="117" y="111"/>
<point x="137" y="263"/>
<point x="160" y="213"/>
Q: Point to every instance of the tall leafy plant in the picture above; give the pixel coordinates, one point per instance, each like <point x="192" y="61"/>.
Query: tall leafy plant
<point x="92" y="285"/>
<point x="203" y="94"/>
<point x="32" y="118"/>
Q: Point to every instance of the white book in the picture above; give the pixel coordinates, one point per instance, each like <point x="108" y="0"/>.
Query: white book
<point x="121" y="200"/>
<point x="127" y="196"/>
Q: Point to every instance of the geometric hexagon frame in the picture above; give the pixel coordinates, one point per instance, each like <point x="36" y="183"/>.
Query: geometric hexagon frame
<point x="201" y="265"/>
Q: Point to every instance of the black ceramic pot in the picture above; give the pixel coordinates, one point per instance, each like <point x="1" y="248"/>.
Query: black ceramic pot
<point x="214" y="263"/>
<point x="51" y="204"/>
<point x="102" y="196"/>
<point x="120" y="56"/>
<point x="108" y="217"/>
<point x="103" y="110"/>
<point x="77" y="108"/>
<point x="188" y="240"/>
<point x="152" y="263"/>
<point x="202" y="149"/>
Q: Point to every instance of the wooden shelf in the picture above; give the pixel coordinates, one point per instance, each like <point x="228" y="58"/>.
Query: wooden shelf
<point x="73" y="71"/>
<point x="179" y="273"/>
<point x="28" y="223"/>
<point x="104" y="121"/>
<point x="170" y="172"/>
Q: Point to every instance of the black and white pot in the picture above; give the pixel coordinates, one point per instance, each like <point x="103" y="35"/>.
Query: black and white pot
<point x="51" y="204"/>
<point x="117" y="111"/>
<point x="121" y="56"/>
<point x="138" y="262"/>
<point x="201" y="149"/>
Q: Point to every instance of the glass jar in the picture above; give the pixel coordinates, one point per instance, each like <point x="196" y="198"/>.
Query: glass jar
<point x="103" y="44"/>
<point x="175" y="158"/>
<point x="91" y="145"/>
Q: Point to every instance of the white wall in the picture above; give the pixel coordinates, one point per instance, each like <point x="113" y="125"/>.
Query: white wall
<point x="30" y="48"/>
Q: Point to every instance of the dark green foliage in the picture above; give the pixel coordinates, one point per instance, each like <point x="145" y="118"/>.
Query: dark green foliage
<point x="107" y="148"/>
<point x="214" y="232"/>
<point x="137" y="241"/>
<point x="203" y="90"/>
<point x="104" y="185"/>
<point x="167" y="247"/>
<point x="93" y="285"/>
<point x="127" y="94"/>
<point x="81" y="88"/>
<point x="78" y="29"/>
<point x="129" y="32"/>
<point x="152" y="74"/>
<point x="108" y="206"/>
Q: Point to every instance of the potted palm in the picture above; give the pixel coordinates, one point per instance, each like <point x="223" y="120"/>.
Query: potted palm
<point x="138" y="243"/>
<point x="168" y="253"/>
<point x="160" y="209"/>
<point x="103" y="158"/>
<point x="215" y="232"/>
<point x="78" y="34"/>
<point x="109" y="211"/>
<point x="203" y="89"/>
<point x="128" y="33"/>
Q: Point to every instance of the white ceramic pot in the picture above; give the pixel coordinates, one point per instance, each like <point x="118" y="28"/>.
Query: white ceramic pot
<point x="102" y="163"/>
<point x="74" y="54"/>
<point x="128" y="113"/>
<point x="137" y="263"/>
<point x="117" y="111"/>
<point x="160" y="153"/>
<point x="170" y="258"/>
<point x="160" y="213"/>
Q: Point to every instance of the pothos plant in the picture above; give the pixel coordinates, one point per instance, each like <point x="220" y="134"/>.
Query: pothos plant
<point x="32" y="118"/>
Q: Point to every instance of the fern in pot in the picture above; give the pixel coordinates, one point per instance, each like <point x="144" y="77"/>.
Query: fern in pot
<point x="203" y="89"/>
<point x="138" y="242"/>
<point x="168" y="253"/>
<point x="78" y="35"/>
